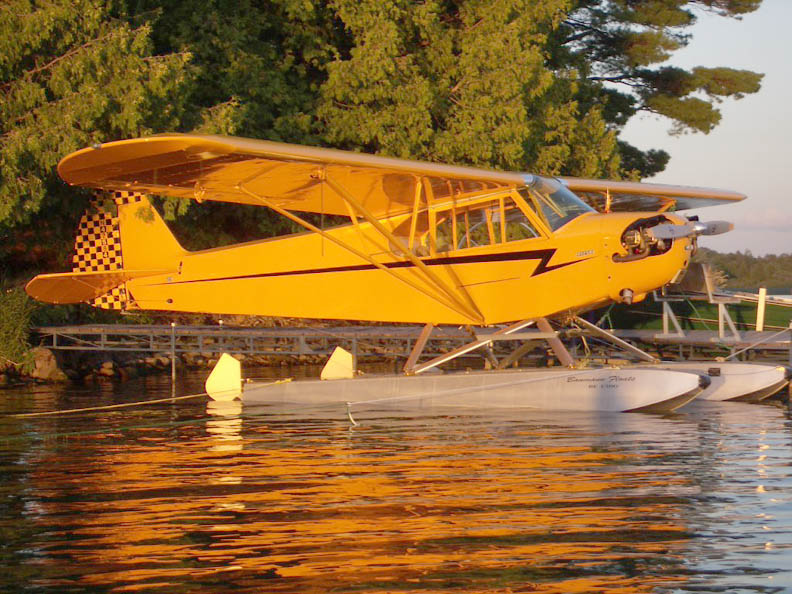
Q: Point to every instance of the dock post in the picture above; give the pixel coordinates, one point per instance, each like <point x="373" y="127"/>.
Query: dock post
<point x="760" y="309"/>
<point x="173" y="353"/>
<point x="721" y="323"/>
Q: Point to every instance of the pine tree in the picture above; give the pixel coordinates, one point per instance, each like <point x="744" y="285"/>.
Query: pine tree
<point x="462" y="83"/>
<point x="72" y="74"/>
<point x="618" y="48"/>
<point x="265" y="60"/>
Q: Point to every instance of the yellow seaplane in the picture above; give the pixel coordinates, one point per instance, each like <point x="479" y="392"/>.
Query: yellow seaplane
<point x="425" y="243"/>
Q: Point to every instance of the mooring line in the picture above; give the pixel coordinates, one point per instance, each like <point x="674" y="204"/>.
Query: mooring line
<point x="128" y="428"/>
<point x="756" y="344"/>
<point x="105" y="407"/>
<point x="127" y="404"/>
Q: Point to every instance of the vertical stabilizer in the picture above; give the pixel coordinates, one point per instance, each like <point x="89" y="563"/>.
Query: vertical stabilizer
<point x="123" y="231"/>
<point x="97" y="248"/>
<point x="145" y="238"/>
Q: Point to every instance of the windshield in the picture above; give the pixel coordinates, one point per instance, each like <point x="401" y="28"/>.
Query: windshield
<point x="556" y="204"/>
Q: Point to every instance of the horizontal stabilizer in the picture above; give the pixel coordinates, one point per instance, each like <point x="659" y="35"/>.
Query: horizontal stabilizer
<point x="80" y="287"/>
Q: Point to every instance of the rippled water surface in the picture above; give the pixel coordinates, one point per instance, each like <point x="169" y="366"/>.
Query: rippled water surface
<point x="190" y="496"/>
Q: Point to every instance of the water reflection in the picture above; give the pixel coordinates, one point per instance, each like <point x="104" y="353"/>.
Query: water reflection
<point x="214" y="497"/>
<point x="224" y="422"/>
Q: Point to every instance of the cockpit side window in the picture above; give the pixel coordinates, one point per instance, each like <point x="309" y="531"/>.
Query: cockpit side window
<point x="485" y="223"/>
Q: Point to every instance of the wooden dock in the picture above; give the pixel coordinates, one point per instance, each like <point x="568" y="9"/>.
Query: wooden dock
<point x="372" y="341"/>
<point x="361" y="340"/>
<point x="703" y="343"/>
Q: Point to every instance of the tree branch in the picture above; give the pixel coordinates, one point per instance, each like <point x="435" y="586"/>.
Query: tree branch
<point x="68" y="54"/>
<point x="620" y="78"/>
<point x="587" y="29"/>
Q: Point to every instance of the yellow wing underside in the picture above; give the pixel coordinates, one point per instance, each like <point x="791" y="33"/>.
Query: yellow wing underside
<point x="637" y="196"/>
<point x="291" y="177"/>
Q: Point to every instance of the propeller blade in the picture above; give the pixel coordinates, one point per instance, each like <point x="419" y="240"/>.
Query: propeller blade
<point x="712" y="227"/>
<point x="670" y="231"/>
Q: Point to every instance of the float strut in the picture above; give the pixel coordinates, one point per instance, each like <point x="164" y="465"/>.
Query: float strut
<point x="409" y="366"/>
<point x="616" y="340"/>
<point x="564" y="356"/>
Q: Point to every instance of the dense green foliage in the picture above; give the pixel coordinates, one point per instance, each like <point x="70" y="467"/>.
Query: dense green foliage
<point x="621" y="41"/>
<point x="73" y="74"/>
<point x="16" y="309"/>
<point x="746" y="271"/>
<point x="467" y="86"/>
<point x="518" y="84"/>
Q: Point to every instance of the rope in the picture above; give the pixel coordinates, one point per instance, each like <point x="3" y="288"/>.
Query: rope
<point x="698" y="315"/>
<point x="128" y="404"/>
<point x="10" y="361"/>
<point x="606" y="317"/>
<point x="106" y="407"/>
<point x="756" y="344"/>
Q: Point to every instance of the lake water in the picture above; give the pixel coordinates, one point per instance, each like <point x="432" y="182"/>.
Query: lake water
<point x="194" y="497"/>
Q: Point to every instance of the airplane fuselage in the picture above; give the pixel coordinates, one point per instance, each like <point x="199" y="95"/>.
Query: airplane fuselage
<point x="310" y="276"/>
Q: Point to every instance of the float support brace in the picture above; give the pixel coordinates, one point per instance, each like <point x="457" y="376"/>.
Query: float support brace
<point x="409" y="366"/>
<point x="472" y="346"/>
<point x="564" y="356"/>
<point x="615" y="340"/>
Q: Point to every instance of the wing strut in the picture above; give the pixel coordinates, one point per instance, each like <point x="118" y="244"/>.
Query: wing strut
<point x="303" y="223"/>
<point x="469" y="308"/>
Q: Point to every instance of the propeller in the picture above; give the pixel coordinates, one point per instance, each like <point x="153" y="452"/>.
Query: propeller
<point x="693" y="228"/>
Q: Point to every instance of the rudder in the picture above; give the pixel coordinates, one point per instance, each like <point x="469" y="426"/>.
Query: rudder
<point x="97" y="248"/>
<point x="122" y="231"/>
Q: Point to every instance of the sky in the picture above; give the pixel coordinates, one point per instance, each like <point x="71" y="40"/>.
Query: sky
<point x="750" y="151"/>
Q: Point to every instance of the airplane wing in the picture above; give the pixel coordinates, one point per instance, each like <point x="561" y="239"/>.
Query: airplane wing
<point x="237" y="170"/>
<point x="636" y="196"/>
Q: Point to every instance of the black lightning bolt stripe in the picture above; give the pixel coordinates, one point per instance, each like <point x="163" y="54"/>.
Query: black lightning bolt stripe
<point x="544" y="257"/>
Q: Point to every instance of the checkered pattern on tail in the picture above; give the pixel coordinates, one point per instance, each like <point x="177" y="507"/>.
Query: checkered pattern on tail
<point x="115" y="299"/>
<point x="98" y="246"/>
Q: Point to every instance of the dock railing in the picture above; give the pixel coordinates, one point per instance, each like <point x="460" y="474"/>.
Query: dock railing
<point x="362" y="341"/>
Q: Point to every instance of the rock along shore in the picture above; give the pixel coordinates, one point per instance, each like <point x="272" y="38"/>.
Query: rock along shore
<point x="76" y="366"/>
